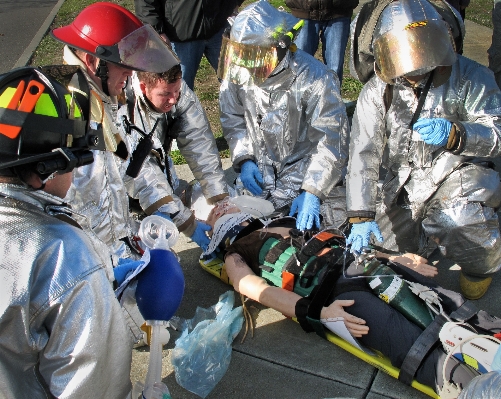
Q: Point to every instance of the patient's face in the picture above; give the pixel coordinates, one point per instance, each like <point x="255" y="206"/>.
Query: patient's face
<point x="223" y="207"/>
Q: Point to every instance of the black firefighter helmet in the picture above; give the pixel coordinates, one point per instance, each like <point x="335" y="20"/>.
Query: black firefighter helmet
<point x="42" y="125"/>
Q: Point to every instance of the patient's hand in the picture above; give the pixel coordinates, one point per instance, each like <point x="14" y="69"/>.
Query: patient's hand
<point x="416" y="263"/>
<point x="355" y="325"/>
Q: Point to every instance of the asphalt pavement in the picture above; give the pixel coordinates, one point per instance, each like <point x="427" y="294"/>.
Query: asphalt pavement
<point x="23" y="24"/>
<point x="280" y="361"/>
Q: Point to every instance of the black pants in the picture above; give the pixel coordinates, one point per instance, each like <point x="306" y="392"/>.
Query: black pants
<point x="393" y="335"/>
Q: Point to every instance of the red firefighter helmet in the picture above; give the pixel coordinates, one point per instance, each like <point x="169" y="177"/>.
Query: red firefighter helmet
<point x="98" y="25"/>
<point x="112" y="33"/>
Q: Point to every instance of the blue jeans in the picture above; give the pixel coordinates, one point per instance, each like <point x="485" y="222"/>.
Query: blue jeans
<point x="495" y="48"/>
<point x="334" y="34"/>
<point x="190" y="53"/>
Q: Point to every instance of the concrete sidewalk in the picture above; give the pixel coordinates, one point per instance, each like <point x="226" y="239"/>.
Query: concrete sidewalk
<point x="281" y="361"/>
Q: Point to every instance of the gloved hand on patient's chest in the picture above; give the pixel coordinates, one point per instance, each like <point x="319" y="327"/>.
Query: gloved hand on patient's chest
<point x="307" y="207"/>
<point x="360" y="235"/>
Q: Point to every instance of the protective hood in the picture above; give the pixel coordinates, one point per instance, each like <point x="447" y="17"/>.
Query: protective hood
<point x="261" y="24"/>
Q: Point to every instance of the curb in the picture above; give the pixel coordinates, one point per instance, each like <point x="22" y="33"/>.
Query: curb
<point x="25" y="58"/>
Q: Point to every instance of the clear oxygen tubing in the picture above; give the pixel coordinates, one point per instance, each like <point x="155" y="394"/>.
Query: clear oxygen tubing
<point x="153" y="387"/>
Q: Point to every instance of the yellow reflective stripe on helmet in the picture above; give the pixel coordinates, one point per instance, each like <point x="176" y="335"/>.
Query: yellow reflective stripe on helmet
<point x="45" y="106"/>
<point x="73" y="108"/>
<point x="6" y="96"/>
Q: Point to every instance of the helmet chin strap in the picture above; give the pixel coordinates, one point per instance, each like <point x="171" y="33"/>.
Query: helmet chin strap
<point x="102" y="73"/>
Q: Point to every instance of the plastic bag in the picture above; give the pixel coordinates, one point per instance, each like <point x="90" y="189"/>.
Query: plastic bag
<point x="202" y="353"/>
<point x="485" y="386"/>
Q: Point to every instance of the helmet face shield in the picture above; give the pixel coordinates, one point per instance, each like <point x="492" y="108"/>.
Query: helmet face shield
<point x="144" y="50"/>
<point x="246" y="64"/>
<point x="410" y="37"/>
<point x="420" y="48"/>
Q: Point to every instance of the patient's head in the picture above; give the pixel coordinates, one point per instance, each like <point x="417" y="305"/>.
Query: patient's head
<point x="226" y="221"/>
<point x="223" y="207"/>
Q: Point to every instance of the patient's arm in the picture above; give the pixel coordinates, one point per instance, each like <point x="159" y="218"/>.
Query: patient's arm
<point x="246" y="282"/>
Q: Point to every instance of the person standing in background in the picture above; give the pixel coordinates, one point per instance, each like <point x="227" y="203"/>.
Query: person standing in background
<point x="328" y="21"/>
<point x="495" y="49"/>
<point x="193" y="27"/>
<point x="460" y="5"/>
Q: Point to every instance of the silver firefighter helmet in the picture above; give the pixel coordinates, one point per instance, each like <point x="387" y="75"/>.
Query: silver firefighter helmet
<point x="249" y="52"/>
<point x="411" y="38"/>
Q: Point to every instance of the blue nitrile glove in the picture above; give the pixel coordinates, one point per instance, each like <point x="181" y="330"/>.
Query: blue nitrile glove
<point x="199" y="236"/>
<point x="360" y="235"/>
<point x="251" y="177"/>
<point x="307" y="206"/>
<point x="124" y="267"/>
<point x="163" y="215"/>
<point x="433" y="130"/>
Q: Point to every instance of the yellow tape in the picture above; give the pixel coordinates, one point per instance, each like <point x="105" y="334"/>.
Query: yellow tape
<point x="470" y="361"/>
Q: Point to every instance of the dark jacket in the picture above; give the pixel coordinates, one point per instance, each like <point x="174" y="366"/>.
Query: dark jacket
<point x="458" y="4"/>
<point x="321" y="10"/>
<point x="185" y="20"/>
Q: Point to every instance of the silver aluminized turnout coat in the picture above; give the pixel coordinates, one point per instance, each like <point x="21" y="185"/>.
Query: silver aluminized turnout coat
<point x="62" y="331"/>
<point x="293" y="125"/>
<point x="98" y="192"/>
<point x="450" y="196"/>
<point x="99" y="198"/>
<point x="188" y="125"/>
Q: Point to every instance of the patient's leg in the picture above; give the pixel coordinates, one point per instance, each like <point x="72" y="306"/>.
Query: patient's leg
<point x="393" y="335"/>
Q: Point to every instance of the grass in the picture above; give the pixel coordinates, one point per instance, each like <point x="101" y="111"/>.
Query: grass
<point x="479" y="11"/>
<point x="206" y="84"/>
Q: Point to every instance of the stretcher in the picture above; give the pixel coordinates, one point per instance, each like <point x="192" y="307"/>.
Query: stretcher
<point x="378" y="360"/>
